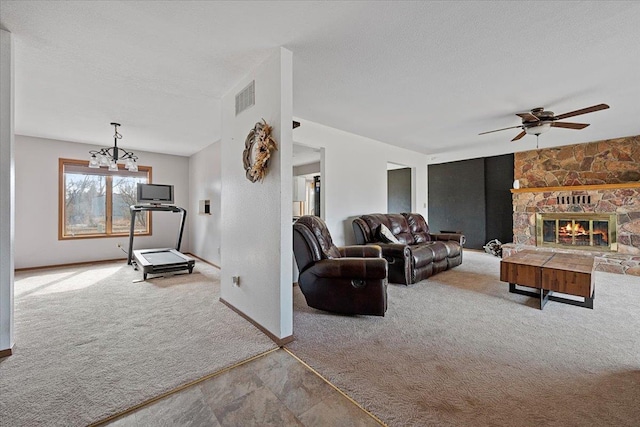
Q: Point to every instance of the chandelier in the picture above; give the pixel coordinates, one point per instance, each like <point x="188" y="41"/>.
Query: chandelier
<point x="110" y="156"/>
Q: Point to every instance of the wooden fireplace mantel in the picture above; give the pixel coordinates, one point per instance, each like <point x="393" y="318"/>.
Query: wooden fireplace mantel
<point x="577" y="187"/>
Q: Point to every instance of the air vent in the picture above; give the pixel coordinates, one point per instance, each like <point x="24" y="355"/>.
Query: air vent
<point x="573" y="200"/>
<point x="246" y="98"/>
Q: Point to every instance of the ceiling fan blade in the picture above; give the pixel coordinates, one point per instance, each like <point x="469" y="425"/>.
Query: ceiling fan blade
<point x="582" y="111"/>
<point x="567" y="125"/>
<point x="498" y="130"/>
<point x="520" y="135"/>
<point x="528" y="117"/>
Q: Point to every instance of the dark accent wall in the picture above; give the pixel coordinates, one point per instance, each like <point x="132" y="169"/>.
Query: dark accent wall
<point x="456" y="199"/>
<point x="399" y="190"/>
<point x="472" y="196"/>
<point x="498" y="201"/>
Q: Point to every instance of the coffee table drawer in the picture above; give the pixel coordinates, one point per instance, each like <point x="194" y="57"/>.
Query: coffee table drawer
<point x="567" y="282"/>
<point x="524" y="275"/>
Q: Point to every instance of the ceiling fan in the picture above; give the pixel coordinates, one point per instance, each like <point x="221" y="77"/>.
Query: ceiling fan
<point x="538" y="121"/>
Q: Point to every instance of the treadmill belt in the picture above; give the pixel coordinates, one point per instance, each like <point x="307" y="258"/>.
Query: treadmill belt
<point x="163" y="258"/>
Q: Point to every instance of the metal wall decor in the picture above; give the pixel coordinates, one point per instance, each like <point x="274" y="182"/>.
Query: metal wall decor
<point x="257" y="151"/>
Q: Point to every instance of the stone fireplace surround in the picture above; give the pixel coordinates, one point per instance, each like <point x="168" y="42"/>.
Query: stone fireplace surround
<point x="607" y="172"/>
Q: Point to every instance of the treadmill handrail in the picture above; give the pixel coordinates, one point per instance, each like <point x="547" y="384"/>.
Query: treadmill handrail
<point x="142" y="208"/>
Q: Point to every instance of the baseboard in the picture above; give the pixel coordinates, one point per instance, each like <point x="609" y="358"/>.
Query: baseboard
<point x="203" y="260"/>
<point x="279" y="341"/>
<point x="105" y="261"/>
<point x="6" y="352"/>
<point x="71" y="264"/>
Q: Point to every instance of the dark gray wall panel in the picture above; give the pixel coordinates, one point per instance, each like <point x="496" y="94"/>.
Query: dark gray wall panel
<point x="473" y="196"/>
<point x="399" y="190"/>
<point x="457" y="199"/>
<point x="498" y="183"/>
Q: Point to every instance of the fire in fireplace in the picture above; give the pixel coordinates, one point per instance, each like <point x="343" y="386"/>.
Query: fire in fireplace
<point x="577" y="230"/>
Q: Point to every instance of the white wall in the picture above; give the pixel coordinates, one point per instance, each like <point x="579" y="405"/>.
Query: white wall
<point x="36" y="239"/>
<point x="205" y="184"/>
<point x="7" y="199"/>
<point x="257" y="232"/>
<point x="354" y="176"/>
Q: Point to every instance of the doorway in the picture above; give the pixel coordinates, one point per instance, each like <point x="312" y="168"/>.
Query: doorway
<point x="307" y="179"/>
<point x="399" y="189"/>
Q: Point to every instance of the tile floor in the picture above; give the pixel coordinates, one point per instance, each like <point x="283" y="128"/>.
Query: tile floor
<point x="272" y="390"/>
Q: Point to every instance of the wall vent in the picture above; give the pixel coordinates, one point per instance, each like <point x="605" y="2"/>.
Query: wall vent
<point x="573" y="200"/>
<point x="246" y="97"/>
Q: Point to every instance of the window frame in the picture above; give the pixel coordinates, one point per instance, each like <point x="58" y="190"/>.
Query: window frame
<point x="108" y="203"/>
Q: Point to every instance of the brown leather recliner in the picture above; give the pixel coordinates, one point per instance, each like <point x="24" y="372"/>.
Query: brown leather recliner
<point x="346" y="280"/>
<point x="419" y="253"/>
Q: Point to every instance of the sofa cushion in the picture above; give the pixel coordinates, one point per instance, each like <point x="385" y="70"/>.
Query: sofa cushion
<point x="453" y="248"/>
<point x="396" y="223"/>
<point x="422" y="255"/>
<point x="418" y="227"/>
<point x="439" y="249"/>
<point x="373" y="221"/>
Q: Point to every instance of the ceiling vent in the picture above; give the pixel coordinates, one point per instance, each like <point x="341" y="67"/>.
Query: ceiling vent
<point x="246" y="97"/>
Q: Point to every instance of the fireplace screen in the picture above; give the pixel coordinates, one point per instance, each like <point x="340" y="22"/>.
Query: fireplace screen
<point x="577" y="230"/>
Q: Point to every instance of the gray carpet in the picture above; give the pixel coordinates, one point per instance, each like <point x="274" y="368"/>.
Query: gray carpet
<point x="90" y="343"/>
<point x="459" y="350"/>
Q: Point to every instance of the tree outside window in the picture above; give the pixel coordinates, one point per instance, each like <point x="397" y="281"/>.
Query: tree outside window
<point x="95" y="202"/>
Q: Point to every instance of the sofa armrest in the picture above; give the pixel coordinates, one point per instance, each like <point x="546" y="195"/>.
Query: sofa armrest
<point x="351" y="268"/>
<point x="396" y="250"/>
<point x="357" y="251"/>
<point x="460" y="238"/>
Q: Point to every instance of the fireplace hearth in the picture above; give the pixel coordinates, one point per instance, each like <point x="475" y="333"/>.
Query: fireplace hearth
<point x="588" y="231"/>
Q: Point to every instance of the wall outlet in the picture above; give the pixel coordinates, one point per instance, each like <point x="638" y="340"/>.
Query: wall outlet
<point x="236" y="280"/>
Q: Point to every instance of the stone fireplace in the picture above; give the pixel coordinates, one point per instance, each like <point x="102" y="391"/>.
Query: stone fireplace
<point x="581" y="187"/>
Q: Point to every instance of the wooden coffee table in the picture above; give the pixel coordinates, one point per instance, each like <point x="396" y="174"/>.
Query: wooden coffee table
<point x="549" y="271"/>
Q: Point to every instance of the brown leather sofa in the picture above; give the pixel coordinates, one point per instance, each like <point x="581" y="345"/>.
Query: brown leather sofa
<point x="347" y="280"/>
<point x="418" y="254"/>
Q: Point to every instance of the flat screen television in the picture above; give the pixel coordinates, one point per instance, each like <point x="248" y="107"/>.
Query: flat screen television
<point x="155" y="194"/>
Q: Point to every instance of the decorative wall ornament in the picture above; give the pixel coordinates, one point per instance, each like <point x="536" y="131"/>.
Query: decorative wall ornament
<point x="257" y="151"/>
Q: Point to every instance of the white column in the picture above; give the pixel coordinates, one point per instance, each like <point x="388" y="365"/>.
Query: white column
<point x="7" y="185"/>
<point x="256" y="236"/>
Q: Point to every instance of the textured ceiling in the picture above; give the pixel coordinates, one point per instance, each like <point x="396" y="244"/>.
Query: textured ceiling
<point x="428" y="76"/>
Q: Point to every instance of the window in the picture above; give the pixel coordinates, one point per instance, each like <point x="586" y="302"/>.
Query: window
<point x="95" y="202"/>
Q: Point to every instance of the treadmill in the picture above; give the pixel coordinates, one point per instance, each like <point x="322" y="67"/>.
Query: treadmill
<point x="162" y="260"/>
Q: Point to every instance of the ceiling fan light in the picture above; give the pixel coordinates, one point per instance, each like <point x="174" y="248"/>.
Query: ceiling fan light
<point x="538" y="129"/>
